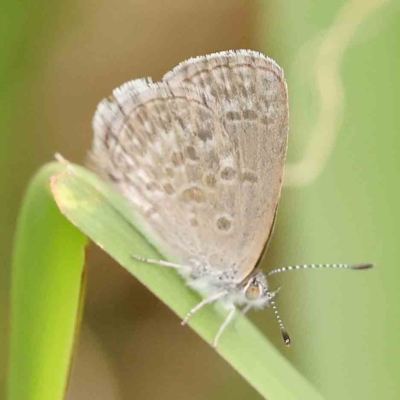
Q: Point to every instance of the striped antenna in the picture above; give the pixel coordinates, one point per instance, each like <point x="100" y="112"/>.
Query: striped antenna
<point x="318" y="266"/>
<point x="285" y="335"/>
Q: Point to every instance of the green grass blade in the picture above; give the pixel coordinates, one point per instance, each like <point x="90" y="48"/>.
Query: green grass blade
<point x="45" y="295"/>
<point x="105" y="218"/>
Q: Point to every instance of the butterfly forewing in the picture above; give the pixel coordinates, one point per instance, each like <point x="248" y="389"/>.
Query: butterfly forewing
<point x="200" y="156"/>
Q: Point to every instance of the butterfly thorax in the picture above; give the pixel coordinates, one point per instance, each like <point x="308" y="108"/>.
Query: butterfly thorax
<point x="252" y="291"/>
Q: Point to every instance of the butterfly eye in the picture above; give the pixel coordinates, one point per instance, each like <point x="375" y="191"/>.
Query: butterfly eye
<point x="253" y="292"/>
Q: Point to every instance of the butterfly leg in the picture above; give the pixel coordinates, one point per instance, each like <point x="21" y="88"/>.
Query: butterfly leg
<point x="224" y="325"/>
<point x="208" y="300"/>
<point x="245" y="310"/>
<point x="157" y="262"/>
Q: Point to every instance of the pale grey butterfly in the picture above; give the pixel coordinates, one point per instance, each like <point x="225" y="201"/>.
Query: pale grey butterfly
<point x="200" y="157"/>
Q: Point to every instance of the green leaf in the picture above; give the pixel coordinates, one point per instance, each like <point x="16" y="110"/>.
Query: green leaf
<point x="46" y="290"/>
<point x="106" y="218"/>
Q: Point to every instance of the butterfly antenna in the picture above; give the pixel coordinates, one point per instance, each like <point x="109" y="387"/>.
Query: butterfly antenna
<point x="285" y="335"/>
<point x="318" y="266"/>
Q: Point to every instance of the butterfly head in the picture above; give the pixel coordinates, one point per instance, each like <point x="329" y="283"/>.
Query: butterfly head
<point x="256" y="290"/>
<point x="256" y="294"/>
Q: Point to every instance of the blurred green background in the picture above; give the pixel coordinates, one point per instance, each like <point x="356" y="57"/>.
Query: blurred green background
<point x="341" y="60"/>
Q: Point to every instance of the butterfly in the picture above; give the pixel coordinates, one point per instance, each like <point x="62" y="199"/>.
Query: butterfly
<point x="200" y="157"/>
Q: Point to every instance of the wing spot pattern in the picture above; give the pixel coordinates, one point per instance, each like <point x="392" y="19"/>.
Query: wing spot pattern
<point x="249" y="176"/>
<point x="204" y="134"/>
<point x="191" y="152"/>
<point x="233" y="116"/>
<point x="250" y="115"/>
<point x="224" y="224"/>
<point x="177" y="158"/>
<point x="228" y="174"/>
<point x="169" y="188"/>
<point x="210" y="180"/>
<point x="193" y="194"/>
